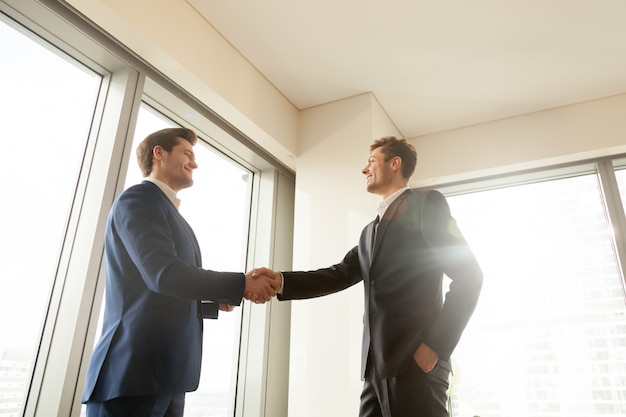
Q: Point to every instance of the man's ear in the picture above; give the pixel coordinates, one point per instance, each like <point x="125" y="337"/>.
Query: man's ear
<point x="396" y="163"/>
<point x="157" y="153"/>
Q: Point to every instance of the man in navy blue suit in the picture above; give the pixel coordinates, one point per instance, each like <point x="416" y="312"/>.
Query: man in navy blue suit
<point x="157" y="294"/>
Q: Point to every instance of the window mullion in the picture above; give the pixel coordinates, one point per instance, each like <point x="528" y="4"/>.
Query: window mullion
<point x="615" y="213"/>
<point x="60" y="368"/>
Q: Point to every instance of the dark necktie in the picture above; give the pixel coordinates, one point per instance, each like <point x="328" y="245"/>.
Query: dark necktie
<point x="376" y="221"/>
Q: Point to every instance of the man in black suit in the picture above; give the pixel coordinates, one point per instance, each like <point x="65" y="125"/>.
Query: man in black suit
<point x="157" y="293"/>
<point x="409" y="329"/>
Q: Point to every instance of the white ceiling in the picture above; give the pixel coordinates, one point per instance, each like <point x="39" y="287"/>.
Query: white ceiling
<point x="432" y="65"/>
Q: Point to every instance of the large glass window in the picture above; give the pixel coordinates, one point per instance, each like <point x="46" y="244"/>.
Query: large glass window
<point x="47" y="103"/>
<point x="548" y="337"/>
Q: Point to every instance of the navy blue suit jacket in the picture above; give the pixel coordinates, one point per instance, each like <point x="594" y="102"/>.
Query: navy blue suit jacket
<point x="151" y="341"/>
<point x="417" y="242"/>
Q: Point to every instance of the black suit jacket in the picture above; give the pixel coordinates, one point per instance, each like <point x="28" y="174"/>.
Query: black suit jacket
<point x="417" y="242"/>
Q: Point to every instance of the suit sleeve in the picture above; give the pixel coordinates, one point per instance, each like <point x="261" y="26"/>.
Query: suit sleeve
<point x="324" y="281"/>
<point x="455" y="258"/>
<point x="141" y="222"/>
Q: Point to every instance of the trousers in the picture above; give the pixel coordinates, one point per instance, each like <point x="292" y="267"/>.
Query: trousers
<point x="413" y="393"/>
<point x="143" y="406"/>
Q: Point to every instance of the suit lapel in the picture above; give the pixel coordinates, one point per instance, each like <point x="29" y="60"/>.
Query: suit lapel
<point x="181" y="220"/>
<point x="384" y="222"/>
<point x="192" y="236"/>
<point x="370" y="233"/>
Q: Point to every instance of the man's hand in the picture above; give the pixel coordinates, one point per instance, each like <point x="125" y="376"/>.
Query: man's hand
<point x="262" y="284"/>
<point x="226" y="307"/>
<point x="425" y="357"/>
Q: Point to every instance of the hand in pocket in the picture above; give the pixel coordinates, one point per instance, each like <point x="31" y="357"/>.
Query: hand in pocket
<point x="425" y="358"/>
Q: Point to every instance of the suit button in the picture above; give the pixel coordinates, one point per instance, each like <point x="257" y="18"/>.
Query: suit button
<point x="373" y="282"/>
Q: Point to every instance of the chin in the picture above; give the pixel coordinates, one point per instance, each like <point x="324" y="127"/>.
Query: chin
<point x="186" y="185"/>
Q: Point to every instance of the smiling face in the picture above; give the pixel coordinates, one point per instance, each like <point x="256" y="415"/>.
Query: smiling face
<point x="175" y="168"/>
<point x="382" y="176"/>
<point x="385" y="177"/>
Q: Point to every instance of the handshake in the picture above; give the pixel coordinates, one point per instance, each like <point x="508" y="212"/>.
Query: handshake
<point x="262" y="284"/>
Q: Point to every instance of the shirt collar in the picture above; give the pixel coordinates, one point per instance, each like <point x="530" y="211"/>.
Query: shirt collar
<point x="384" y="205"/>
<point x="167" y="190"/>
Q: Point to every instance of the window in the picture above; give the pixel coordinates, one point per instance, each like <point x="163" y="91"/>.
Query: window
<point x="47" y="104"/>
<point x="548" y="337"/>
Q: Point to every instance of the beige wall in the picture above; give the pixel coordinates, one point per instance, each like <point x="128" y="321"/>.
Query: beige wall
<point x="331" y="209"/>
<point x="327" y="146"/>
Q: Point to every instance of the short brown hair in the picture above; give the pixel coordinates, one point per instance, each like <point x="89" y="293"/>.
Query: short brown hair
<point x="166" y="139"/>
<point x="391" y="147"/>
